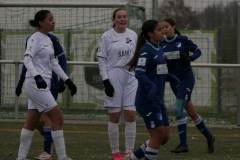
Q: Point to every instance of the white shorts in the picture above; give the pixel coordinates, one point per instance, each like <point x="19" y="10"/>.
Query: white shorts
<point x="118" y="109"/>
<point x="125" y="87"/>
<point x="40" y="99"/>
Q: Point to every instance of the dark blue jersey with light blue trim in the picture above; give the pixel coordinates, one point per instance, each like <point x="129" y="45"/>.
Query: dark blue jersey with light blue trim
<point x="176" y="47"/>
<point x="61" y="60"/>
<point x="150" y="71"/>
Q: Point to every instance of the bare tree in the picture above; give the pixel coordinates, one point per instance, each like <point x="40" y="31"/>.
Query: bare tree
<point x="183" y="15"/>
<point x="225" y="18"/>
<point x="210" y="17"/>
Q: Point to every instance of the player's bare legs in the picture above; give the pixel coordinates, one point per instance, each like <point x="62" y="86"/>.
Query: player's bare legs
<point x="33" y="117"/>
<point x="55" y="115"/>
<point x="129" y="115"/>
<point x="191" y="110"/>
<point x="166" y="135"/>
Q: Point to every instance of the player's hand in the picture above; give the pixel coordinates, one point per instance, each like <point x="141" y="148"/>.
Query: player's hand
<point x="61" y="86"/>
<point x="186" y="59"/>
<point x="41" y="84"/>
<point x="178" y="85"/>
<point x="18" y="90"/>
<point x="109" y="90"/>
<point x="71" y="86"/>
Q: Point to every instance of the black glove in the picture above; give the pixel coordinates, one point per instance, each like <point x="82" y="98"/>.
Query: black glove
<point x="186" y="59"/>
<point x="109" y="90"/>
<point x="61" y="86"/>
<point x="71" y="86"/>
<point x="40" y="82"/>
<point x="18" y="90"/>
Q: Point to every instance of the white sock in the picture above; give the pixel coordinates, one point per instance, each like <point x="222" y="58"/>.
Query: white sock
<point x="59" y="144"/>
<point x="113" y="134"/>
<point x="130" y="134"/>
<point x="25" y="143"/>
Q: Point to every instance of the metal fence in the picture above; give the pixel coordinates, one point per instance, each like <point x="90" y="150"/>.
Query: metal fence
<point x="211" y="24"/>
<point x="213" y="100"/>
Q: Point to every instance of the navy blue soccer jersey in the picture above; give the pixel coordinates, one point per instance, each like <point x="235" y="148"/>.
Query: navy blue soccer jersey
<point x="150" y="72"/>
<point x="176" y="47"/>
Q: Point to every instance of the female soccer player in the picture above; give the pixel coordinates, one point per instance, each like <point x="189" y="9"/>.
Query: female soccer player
<point x="44" y="125"/>
<point x="151" y="73"/>
<point x="176" y="49"/>
<point x="40" y="61"/>
<point x="115" y="50"/>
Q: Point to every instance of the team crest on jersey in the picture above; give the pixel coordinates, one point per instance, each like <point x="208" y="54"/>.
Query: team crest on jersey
<point x="159" y="115"/>
<point x="141" y="61"/>
<point x="124" y="54"/>
<point x="178" y="44"/>
<point x="30" y="48"/>
<point x="128" y="40"/>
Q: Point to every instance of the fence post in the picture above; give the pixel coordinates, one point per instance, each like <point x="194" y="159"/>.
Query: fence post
<point x="219" y="72"/>
<point x="238" y="70"/>
<point x="16" y="83"/>
<point x="68" y="37"/>
<point x="1" y="67"/>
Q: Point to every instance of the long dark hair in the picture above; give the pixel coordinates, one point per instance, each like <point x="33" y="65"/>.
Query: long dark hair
<point x="39" y="16"/>
<point x="172" y="23"/>
<point x="148" y="26"/>
<point x="114" y="14"/>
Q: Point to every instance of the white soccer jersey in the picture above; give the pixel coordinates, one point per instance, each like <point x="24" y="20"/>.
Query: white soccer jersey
<point x="41" y="59"/>
<point x="117" y="49"/>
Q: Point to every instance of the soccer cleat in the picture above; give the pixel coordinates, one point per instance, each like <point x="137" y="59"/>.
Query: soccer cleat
<point x="127" y="153"/>
<point x="179" y="149"/>
<point x="66" y="158"/>
<point x="117" y="156"/>
<point x="44" y="156"/>
<point x="210" y="145"/>
<point x="127" y="157"/>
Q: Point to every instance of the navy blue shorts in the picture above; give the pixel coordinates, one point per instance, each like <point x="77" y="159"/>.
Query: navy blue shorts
<point x="153" y="117"/>
<point x="185" y="90"/>
<point x="54" y="92"/>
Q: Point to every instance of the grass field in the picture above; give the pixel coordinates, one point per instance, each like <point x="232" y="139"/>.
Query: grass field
<point x="89" y="141"/>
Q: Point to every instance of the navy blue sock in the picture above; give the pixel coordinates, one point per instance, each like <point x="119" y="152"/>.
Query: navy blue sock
<point x="182" y="131"/>
<point x="202" y="128"/>
<point x="140" y="152"/>
<point x="47" y="139"/>
<point x="151" y="153"/>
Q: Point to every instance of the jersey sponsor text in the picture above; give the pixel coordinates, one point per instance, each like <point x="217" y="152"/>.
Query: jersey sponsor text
<point x="172" y="55"/>
<point x="124" y="54"/>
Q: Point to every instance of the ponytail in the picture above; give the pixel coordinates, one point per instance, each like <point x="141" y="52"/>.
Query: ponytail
<point x="172" y="23"/>
<point x="148" y="26"/>
<point x="133" y="62"/>
<point x="177" y="31"/>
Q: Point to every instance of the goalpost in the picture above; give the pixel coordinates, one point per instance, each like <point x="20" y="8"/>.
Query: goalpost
<point x="79" y="26"/>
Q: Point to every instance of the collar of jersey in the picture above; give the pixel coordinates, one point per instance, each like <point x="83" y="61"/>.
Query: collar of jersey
<point x="171" y="39"/>
<point x="152" y="45"/>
